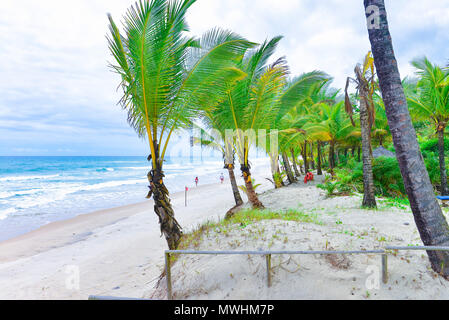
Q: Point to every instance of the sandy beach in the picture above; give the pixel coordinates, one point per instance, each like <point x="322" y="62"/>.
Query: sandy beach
<point x="339" y="223"/>
<point x="118" y="252"/>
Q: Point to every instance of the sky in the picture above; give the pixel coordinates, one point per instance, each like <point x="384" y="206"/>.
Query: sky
<point x="58" y="96"/>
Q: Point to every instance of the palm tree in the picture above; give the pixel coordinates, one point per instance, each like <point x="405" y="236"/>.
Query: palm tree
<point x="259" y="102"/>
<point x="292" y="117"/>
<point x="365" y="87"/>
<point x="288" y="168"/>
<point x="294" y="163"/>
<point x="166" y="78"/>
<point x="243" y="107"/>
<point x="429" y="219"/>
<point x="432" y="102"/>
<point x="329" y="125"/>
<point x="381" y="132"/>
<point x="214" y="139"/>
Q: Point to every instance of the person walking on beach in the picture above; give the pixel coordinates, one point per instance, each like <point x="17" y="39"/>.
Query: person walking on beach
<point x="221" y="177"/>
<point x="196" y="181"/>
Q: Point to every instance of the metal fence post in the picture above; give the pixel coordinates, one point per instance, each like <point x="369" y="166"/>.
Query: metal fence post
<point x="384" y="268"/>
<point x="168" y="276"/>
<point x="268" y="259"/>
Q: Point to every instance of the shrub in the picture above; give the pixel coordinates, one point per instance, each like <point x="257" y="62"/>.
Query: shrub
<point x="432" y="146"/>
<point x="330" y="187"/>
<point x="387" y="177"/>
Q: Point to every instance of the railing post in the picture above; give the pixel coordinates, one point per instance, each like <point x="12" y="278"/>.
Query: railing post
<point x="384" y="268"/>
<point x="168" y="275"/>
<point x="268" y="259"/>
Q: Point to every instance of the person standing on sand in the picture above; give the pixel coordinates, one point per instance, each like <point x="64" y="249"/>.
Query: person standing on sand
<point x="221" y="177"/>
<point x="196" y="181"/>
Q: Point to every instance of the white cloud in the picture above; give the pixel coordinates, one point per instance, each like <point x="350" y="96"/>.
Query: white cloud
<point x="54" y="54"/>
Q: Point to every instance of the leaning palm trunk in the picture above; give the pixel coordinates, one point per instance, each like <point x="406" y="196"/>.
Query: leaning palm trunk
<point x="312" y="161"/>
<point x="235" y="189"/>
<point x="250" y="192"/>
<point x="294" y="164"/>
<point x="287" y="167"/>
<point x="431" y="223"/>
<point x="319" y="171"/>
<point x="306" y="164"/>
<point x="443" y="176"/>
<point x="170" y="228"/>
<point x="369" y="199"/>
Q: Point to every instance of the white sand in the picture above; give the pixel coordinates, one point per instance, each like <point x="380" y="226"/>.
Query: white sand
<point x="344" y="226"/>
<point x="118" y="252"/>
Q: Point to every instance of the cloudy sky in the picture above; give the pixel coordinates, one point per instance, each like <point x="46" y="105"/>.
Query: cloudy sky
<point x="58" y="97"/>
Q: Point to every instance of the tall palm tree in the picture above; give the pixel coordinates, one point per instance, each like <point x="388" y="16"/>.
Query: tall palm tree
<point x="291" y="116"/>
<point x="365" y="86"/>
<point x="166" y="78"/>
<point x="243" y="107"/>
<point x="258" y="102"/>
<point x="432" y="102"/>
<point x="429" y="219"/>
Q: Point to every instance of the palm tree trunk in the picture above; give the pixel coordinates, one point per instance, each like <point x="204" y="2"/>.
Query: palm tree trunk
<point x="331" y="157"/>
<point x="294" y="164"/>
<point x="431" y="224"/>
<point x="306" y="164"/>
<point x="312" y="161"/>
<point x="443" y="175"/>
<point x="369" y="199"/>
<point x="353" y="151"/>
<point x="288" y="168"/>
<point x="250" y="192"/>
<point x="323" y="154"/>
<point x="235" y="189"/>
<point x="170" y="228"/>
<point x="358" y="154"/>
<point x="281" y="181"/>
<point x="302" y="168"/>
<point x="319" y="172"/>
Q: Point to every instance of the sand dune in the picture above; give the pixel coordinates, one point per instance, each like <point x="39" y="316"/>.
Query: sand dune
<point x="340" y="225"/>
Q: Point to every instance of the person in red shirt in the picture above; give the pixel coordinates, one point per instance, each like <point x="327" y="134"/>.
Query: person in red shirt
<point x="196" y="181"/>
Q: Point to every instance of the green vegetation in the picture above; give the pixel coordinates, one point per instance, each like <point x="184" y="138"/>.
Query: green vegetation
<point x="243" y="219"/>
<point x="172" y="80"/>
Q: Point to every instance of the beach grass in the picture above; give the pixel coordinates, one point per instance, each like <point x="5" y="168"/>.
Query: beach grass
<point x="243" y="219"/>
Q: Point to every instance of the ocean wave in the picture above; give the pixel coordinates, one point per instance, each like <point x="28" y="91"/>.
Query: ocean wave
<point x="105" y="169"/>
<point x="6" y="194"/>
<point x="59" y="192"/>
<point x="6" y="212"/>
<point x="9" y="194"/>
<point x="17" y="178"/>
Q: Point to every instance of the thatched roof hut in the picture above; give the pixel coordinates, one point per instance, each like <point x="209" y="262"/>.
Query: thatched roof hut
<point x="382" y="152"/>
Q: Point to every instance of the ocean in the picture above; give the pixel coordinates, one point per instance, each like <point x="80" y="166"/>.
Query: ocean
<point x="35" y="191"/>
